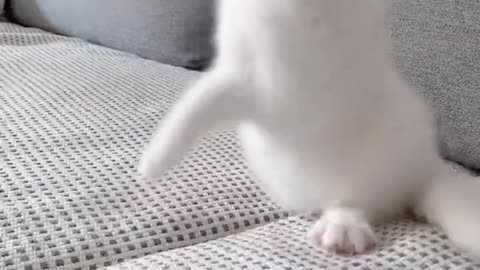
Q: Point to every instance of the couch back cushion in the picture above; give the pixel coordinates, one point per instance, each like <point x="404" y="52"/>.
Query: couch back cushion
<point x="437" y="47"/>
<point x="176" y="32"/>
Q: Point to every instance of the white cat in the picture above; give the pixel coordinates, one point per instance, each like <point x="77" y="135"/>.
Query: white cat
<point x="324" y="119"/>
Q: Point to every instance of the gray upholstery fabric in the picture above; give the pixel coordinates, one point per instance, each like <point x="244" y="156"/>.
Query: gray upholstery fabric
<point x="175" y="32"/>
<point x="404" y="245"/>
<point x="74" y="118"/>
<point x="437" y="46"/>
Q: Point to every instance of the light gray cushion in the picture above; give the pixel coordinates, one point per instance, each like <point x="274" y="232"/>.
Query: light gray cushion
<point x="437" y="46"/>
<point x="403" y="245"/>
<point x="74" y="118"/>
<point x="175" y="32"/>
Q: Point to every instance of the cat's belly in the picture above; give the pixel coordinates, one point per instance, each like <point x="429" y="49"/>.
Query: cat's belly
<point x="291" y="181"/>
<point x="311" y="182"/>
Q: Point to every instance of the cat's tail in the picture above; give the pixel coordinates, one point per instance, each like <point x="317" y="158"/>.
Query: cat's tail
<point x="215" y="101"/>
<point x="453" y="204"/>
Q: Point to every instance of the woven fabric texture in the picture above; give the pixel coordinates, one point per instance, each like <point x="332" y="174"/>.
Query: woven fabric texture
<point x="74" y="118"/>
<point x="404" y="245"/>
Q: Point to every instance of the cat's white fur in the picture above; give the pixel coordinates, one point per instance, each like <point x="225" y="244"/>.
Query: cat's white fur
<point x="325" y="121"/>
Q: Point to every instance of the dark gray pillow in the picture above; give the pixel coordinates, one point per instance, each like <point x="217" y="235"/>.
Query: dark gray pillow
<point x="437" y="46"/>
<point x="176" y="32"/>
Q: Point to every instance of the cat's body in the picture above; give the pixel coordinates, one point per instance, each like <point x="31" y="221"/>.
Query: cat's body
<point x="325" y="120"/>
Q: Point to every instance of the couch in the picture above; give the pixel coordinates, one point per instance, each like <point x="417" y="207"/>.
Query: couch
<point x="79" y="101"/>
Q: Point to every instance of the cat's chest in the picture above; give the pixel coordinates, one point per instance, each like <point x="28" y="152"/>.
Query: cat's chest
<point x="300" y="54"/>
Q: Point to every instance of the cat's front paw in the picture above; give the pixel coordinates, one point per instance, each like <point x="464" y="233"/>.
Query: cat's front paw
<point x="148" y="168"/>
<point x="342" y="231"/>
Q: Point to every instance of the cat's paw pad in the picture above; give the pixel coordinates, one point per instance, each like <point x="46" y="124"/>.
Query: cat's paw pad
<point x="341" y="233"/>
